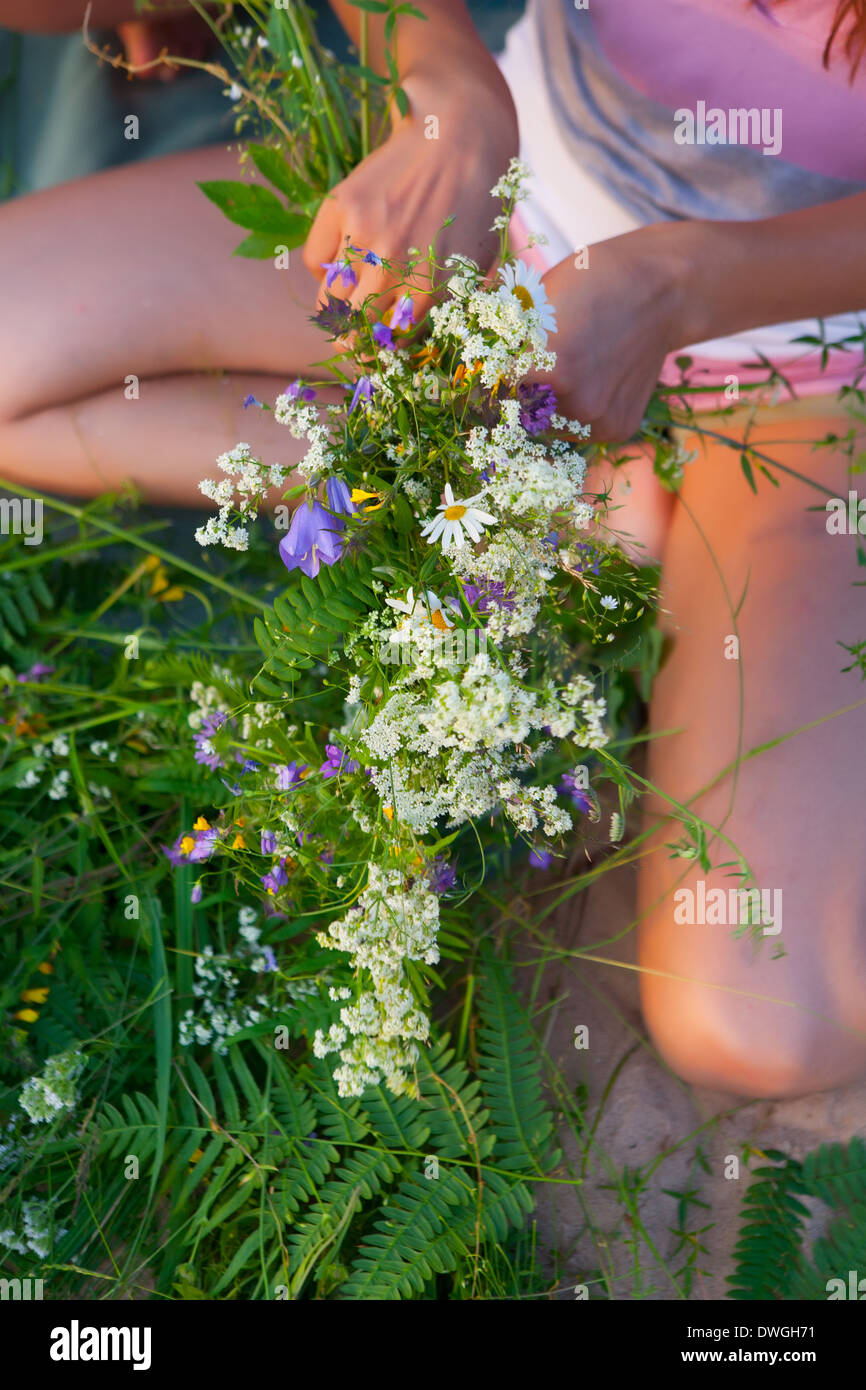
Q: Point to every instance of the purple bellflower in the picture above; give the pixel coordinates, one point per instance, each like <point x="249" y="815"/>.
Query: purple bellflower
<point x="313" y="540"/>
<point x="404" y="313"/>
<point x="363" y="391"/>
<point x="337" y="761"/>
<point x="298" y="391"/>
<point x="383" y="335"/>
<point x="341" y="270"/>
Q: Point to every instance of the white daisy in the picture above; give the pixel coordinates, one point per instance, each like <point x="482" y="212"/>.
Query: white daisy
<point x="523" y="283"/>
<point x="454" y="515"/>
<point x="406" y="605"/>
<point x="428" y="609"/>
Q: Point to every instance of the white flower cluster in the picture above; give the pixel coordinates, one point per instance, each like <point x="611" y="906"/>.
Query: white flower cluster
<point x="221" y="1014"/>
<point x="525" y="478"/>
<point x="498" y="335"/>
<point x="456" y="750"/>
<point x="512" y="185"/>
<point x="36" y="1234"/>
<point x="377" y="1036"/>
<point x="46" y="1096"/>
<point x="303" y="422"/>
<point x="251" y="480"/>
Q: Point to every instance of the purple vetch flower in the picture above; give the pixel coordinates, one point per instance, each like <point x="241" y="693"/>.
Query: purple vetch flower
<point x="404" y="313"/>
<point x="551" y="539"/>
<point x="269" y="842"/>
<point x="585" y="558"/>
<point x="443" y="875"/>
<point x="234" y="788"/>
<point x="540" y="858"/>
<point x="382" y="335"/>
<point x="537" y="406"/>
<point x="302" y="837"/>
<point x="337" y="761"/>
<point x="196" y="894"/>
<point x="270" y="958"/>
<point x="369" y="256"/>
<point x="341" y="270"/>
<point x="289" y="775"/>
<point x="298" y="390"/>
<point x="39" y="671"/>
<point x="582" y="798"/>
<point x="191" y="849"/>
<point x="489" y="594"/>
<point x="339" y="497"/>
<point x="363" y="391"/>
<point x="204" y="750"/>
<point x="312" y="540"/>
<point x="275" y="879"/>
<point x="327" y="856"/>
<point x="251" y="400"/>
<point x="487" y="473"/>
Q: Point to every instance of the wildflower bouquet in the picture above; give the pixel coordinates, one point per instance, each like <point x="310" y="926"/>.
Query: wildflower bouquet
<point x="434" y="675"/>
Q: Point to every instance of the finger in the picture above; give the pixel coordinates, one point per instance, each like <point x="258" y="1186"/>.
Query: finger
<point x="325" y="236"/>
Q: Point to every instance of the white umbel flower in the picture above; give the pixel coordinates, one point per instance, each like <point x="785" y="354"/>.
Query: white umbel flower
<point x="523" y="283"/>
<point x="454" y="516"/>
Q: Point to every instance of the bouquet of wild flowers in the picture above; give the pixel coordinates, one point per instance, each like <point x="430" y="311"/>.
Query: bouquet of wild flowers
<point x="429" y="675"/>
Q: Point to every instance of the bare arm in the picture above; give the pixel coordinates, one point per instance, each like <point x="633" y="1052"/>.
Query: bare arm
<point x="806" y="264"/>
<point x="448" y="28"/>
<point x="661" y="288"/>
<point x="441" y="159"/>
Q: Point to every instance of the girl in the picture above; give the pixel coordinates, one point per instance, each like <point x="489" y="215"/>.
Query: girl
<point x="691" y="241"/>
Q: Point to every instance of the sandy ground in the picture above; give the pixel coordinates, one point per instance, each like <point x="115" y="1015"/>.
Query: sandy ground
<point x="645" y="1116"/>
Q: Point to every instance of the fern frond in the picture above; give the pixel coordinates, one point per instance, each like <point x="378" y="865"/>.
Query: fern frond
<point x="412" y="1241"/>
<point x="511" y="1076"/>
<point x="837" y="1173"/>
<point x="450" y="1103"/>
<point x="768" y="1251"/>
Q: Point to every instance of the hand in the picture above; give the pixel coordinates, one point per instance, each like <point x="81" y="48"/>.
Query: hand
<point x="400" y="195"/>
<point x="618" y="318"/>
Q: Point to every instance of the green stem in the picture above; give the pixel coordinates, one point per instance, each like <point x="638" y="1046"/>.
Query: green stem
<point x="81" y="514"/>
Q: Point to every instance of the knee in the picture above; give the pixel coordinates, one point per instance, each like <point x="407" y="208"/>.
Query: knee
<point x="747" y="1048"/>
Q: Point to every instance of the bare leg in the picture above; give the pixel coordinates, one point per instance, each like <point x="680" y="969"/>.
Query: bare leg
<point x="639" y="509"/>
<point x="131" y="273"/>
<point x="165" y="442"/>
<point x="731" y="1018"/>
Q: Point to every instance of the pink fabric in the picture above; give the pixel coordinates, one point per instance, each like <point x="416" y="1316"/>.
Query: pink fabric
<point x="731" y="54"/>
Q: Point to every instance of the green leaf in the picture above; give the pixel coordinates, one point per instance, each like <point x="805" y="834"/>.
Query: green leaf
<point x="264" y="246"/>
<point x="274" y="167"/>
<point x="251" y="206"/>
